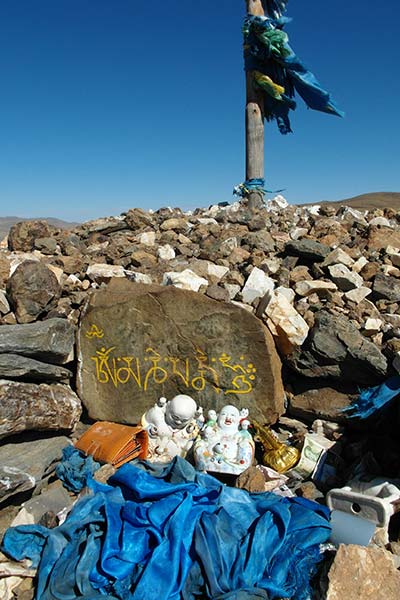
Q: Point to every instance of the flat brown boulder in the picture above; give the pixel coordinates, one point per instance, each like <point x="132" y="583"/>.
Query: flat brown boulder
<point x="138" y="342"/>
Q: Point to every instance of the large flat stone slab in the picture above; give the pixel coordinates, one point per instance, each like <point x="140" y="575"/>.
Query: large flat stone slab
<point x="23" y="465"/>
<point x="29" y="406"/>
<point x="139" y="342"/>
<point x="50" y="341"/>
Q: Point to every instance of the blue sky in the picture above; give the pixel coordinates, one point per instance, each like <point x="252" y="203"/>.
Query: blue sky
<point x="110" y="104"/>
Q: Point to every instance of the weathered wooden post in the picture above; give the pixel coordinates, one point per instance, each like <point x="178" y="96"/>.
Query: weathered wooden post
<point x="254" y="123"/>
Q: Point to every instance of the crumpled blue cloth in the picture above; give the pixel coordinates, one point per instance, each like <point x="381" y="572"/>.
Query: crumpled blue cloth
<point x="173" y="533"/>
<point x="372" y="399"/>
<point x="75" y="469"/>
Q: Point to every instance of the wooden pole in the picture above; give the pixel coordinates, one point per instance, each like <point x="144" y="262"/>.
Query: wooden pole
<point x="254" y="123"/>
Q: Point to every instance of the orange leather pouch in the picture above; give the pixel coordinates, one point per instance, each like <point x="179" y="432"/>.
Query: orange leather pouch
<point x="114" y="443"/>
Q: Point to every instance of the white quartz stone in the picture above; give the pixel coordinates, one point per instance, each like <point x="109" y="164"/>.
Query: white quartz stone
<point x="4" y="306"/>
<point x="287" y="323"/>
<point x="139" y="277"/>
<point x="257" y="284"/>
<point x="372" y="326"/>
<point x="185" y="280"/>
<point x="166" y="252"/>
<point x="287" y="292"/>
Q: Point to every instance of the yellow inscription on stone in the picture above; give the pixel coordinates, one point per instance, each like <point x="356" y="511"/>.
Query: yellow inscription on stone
<point x="194" y="373"/>
<point x="94" y="331"/>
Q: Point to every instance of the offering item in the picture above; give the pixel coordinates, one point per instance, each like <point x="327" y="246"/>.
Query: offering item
<point x="277" y="455"/>
<point x="172" y="427"/>
<point x="225" y="445"/>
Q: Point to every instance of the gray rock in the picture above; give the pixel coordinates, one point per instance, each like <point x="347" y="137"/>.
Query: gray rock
<point x="307" y="249"/>
<point x="386" y="287"/>
<point x="33" y="290"/>
<point x="24" y="464"/>
<point x="336" y="349"/>
<point x="29" y="406"/>
<point x="138" y="343"/>
<point x="50" y="341"/>
<point x="46" y="245"/>
<point x="15" y="366"/>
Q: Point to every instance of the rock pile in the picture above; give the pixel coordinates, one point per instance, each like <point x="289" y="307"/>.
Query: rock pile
<point x="325" y="282"/>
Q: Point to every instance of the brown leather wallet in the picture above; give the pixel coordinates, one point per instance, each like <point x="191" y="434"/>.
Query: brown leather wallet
<point x="114" y="443"/>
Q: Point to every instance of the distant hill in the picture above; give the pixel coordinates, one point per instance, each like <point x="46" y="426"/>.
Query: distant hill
<point x="369" y="201"/>
<point x="7" y="222"/>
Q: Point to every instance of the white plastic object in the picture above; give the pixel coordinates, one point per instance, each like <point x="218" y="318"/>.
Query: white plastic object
<point x="372" y="500"/>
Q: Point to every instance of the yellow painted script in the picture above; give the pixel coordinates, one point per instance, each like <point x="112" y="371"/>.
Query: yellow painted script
<point x="194" y="373"/>
<point x="94" y="331"/>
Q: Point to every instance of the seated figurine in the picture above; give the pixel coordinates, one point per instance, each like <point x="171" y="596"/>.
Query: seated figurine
<point x="172" y="427"/>
<point x="224" y="444"/>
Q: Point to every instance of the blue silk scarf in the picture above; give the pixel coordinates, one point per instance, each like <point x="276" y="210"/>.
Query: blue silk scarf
<point x="169" y="533"/>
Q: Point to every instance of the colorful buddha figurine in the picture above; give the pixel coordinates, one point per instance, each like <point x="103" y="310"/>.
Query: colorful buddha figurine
<point x="172" y="427"/>
<point x="224" y="444"/>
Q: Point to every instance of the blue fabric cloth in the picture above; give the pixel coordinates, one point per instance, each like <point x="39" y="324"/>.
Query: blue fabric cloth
<point x="266" y="50"/>
<point x="372" y="399"/>
<point x="174" y="533"/>
<point x="75" y="469"/>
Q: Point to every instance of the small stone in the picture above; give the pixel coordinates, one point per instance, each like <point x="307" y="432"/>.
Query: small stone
<point x="217" y="293"/>
<point x="174" y="224"/>
<point x="217" y="271"/>
<point x="359" y="264"/>
<point x="338" y="256"/>
<point x="380" y="222"/>
<point x="185" y="280"/>
<point x="139" y="277"/>
<point x="102" y="272"/>
<point x="4" y="306"/>
<point x="46" y="245"/>
<point x="233" y="289"/>
<point x="372" y="326"/>
<point x="287" y="292"/>
<point x="386" y="287"/>
<point x="358" y="294"/>
<point x="369" y="271"/>
<point x="139" y="258"/>
<point x="166" y="252"/>
<point x="308" y="249"/>
<point x="147" y="238"/>
<point x="257" y="285"/>
<point x="344" y="278"/>
<point x="298" y="232"/>
<point x="285" y="323"/>
<point x="305" y="288"/>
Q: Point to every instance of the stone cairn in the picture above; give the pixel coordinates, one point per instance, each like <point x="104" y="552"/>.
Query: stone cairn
<point x="325" y="282"/>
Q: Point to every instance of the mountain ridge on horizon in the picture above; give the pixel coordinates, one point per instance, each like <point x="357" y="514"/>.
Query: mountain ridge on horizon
<point x="367" y="201"/>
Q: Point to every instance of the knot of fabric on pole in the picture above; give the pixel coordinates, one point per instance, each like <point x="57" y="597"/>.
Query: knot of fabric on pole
<point x="253" y="185"/>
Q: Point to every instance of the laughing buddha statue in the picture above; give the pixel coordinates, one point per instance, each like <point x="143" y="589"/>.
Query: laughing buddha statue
<point x="172" y="427"/>
<point x="224" y="444"/>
